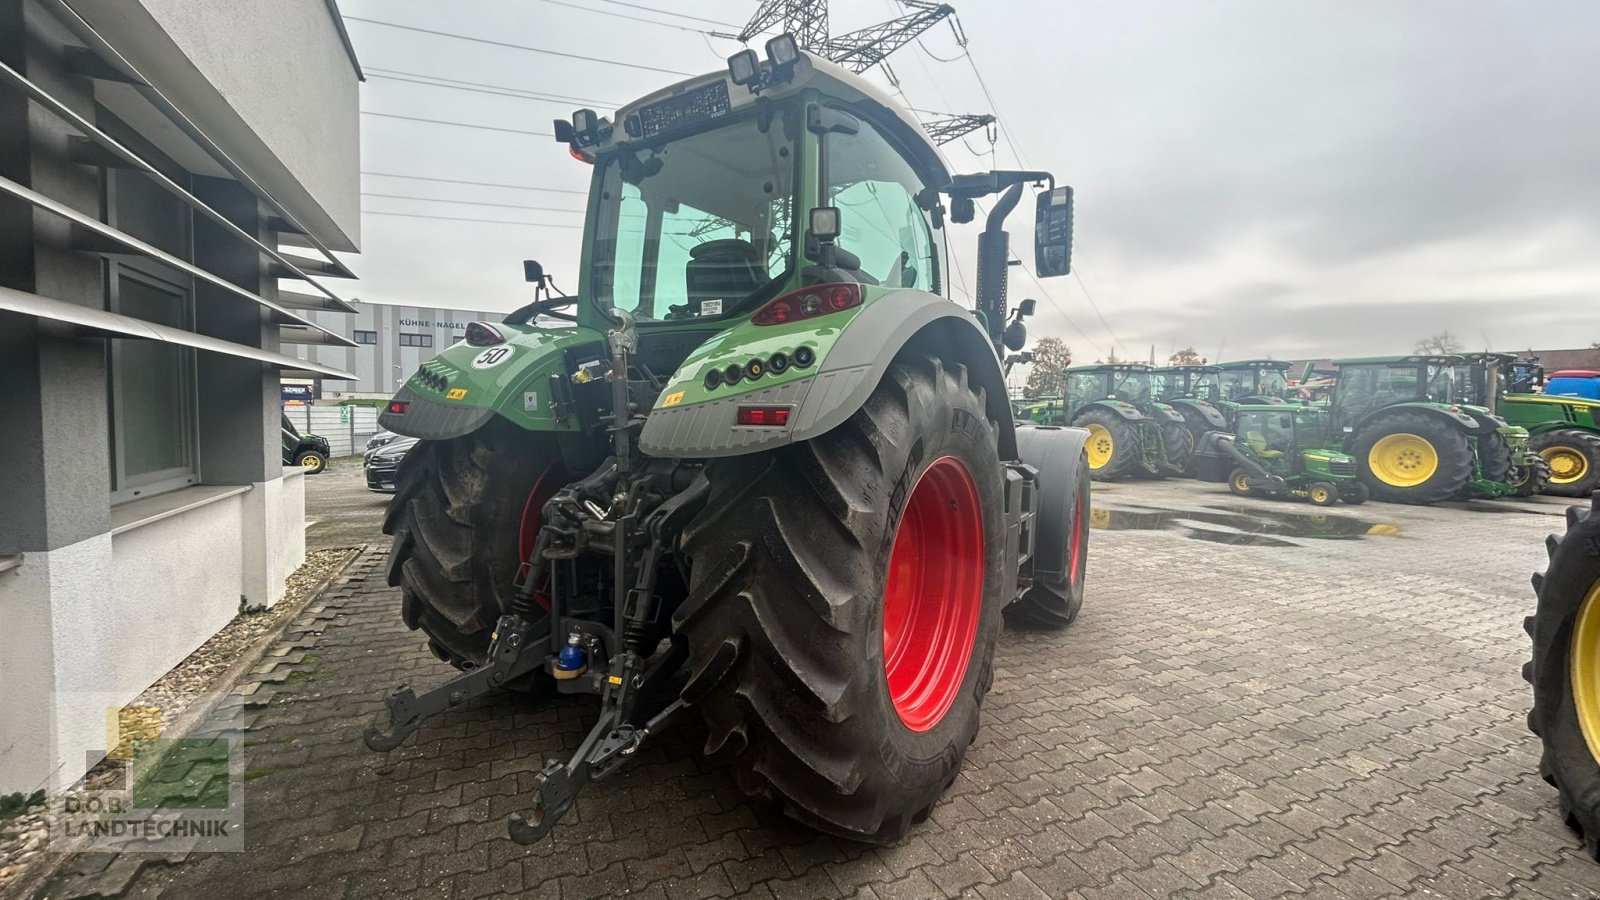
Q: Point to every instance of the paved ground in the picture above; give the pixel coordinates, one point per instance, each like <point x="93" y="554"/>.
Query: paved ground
<point x="1256" y="702"/>
<point x="340" y="511"/>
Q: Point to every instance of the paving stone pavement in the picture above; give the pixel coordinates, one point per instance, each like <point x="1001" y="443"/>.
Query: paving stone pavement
<point x="1303" y="716"/>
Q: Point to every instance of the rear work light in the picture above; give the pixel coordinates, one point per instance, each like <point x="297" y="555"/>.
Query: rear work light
<point x="482" y="335"/>
<point x="775" y="416"/>
<point x="399" y="407"/>
<point x="808" y="303"/>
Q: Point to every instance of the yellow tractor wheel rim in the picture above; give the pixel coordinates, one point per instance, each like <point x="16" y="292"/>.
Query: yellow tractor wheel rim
<point x="1101" y="447"/>
<point x="1403" y="460"/>
<point x="1567" y="464"/>
<point x="1585" y="669"/>
<point x="1320" y="495"/>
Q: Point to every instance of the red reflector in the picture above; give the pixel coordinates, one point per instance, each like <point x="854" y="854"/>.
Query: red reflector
<point x="481" y="335"/>
<point x="399" y="407"/>
<point x="807" y="303"/>
<point x="764" y="415"/>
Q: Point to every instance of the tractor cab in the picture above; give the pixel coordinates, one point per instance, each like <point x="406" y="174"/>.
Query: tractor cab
<point x="1483" y="378"/>
<point x="1367" y="385"/>
<point x="1525" y="375"/>
<point x="1129" y="383"/>
<point x="1189" y="383"/>
<point x="1113" y="399"/>
<point x="1253" y="381"/>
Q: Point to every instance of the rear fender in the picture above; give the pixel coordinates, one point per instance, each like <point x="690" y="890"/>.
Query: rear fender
<point x="1057" y="454"/>
<point x="1462" y="421"/>
<point x="1167" y="413"/>
<point x="1126" y="410"/>
<point x="848" y="369"/>
<point x="1211" y="414"/>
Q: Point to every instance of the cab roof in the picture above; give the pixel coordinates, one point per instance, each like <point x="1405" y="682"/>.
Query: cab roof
<point x="1098" y="368"/>
<point x="1436" y="359"/>
<point x="1205" y="368"/>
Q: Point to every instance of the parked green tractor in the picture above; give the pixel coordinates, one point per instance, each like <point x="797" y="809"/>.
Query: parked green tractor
<point x="1195" y="393"/>
<point x="1413" y="440"/>
<point x="1130" y="432"/>
<point x="1564" y="430"/>
<point x="1251" y="381"/>
<point x="758" y="466"/>
<point x="1282" y="450"/>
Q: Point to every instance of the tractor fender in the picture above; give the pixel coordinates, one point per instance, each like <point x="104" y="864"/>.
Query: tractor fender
<point x="1168" y="413"/>
<point x="1126" y="410"/>
<point x="1057" y="454"/>
<point x="1462" y="420"/>
<point x="845" y="378"/>
<point x="1211" y="414"/>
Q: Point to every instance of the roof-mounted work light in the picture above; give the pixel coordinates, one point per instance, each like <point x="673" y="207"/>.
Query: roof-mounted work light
<point x="744" y="67"/>
<point x="782" y="51"/>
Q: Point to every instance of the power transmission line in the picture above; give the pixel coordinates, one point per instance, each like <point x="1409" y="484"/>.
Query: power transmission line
<point x="478" y="87"/>
<point x="558" y="209"/>
<point x="616" y="15"/>
<point x="493" y="184"/>
<point x="676" y="15"/>
<point x="543" y="50"/>
<point x="379" y="212"/>
<point x="384" y="115"/>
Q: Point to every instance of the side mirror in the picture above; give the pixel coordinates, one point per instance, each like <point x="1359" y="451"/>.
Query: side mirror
<point x="1026" y="308"/>
<point x="532" y="272"/>
<point x="1052" y="233"/>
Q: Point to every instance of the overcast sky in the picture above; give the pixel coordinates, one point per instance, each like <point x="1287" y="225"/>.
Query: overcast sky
<point x="1253" y="178"/>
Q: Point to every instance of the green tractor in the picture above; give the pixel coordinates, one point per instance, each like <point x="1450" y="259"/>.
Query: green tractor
<point x="1413" y="439"/>
<point x="1130" y="432"/>
<point x="1282" y="450"/>
<point x="1251" y="381"/>
<point x="1564" y="430"/>
<point x="1194" y="391"/>
<point x="758" y="467"/>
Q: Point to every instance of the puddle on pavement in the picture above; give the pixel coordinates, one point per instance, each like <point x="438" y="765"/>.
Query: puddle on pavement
<point x="1241" y="525"/>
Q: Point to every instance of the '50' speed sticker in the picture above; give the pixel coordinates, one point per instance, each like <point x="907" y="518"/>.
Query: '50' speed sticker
<point x="491" y="357"/>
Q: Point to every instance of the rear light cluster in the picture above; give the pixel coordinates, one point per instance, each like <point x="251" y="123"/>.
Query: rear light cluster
<point x="821" y="300"/>
<point x="733" y="373"/>
<point x="771" y="416"/>
<point x="399" y="407"/>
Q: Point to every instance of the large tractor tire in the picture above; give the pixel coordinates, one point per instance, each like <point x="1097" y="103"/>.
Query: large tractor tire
<point x="1532" y="478"/>
<point x="1574" y="458"/>
<point x="463" y="518"/>
<point x="1113" y="445"/>
<point x="1496" y="462"/>
<point x="1565" y="671"/>
<point x="1179" y="444"/>
<point x="1412" y="457"/>
<point x="844" y="601"/>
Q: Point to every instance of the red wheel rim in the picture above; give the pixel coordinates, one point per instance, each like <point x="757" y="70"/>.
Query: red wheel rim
<point x="934" y="594"/>
<point x="549" y="481"/>
<point x="1075" y="540"/>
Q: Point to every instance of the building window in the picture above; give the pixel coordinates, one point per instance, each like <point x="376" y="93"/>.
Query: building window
<point x="416" y="340"/>
<point x="153" y="391"/>
<point x="366" y="337"/>
<point x="457" y="338"/>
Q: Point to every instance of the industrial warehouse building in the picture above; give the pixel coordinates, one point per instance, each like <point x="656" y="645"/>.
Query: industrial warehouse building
<point x="389" y="341"/>
<point x="163" y="164"/>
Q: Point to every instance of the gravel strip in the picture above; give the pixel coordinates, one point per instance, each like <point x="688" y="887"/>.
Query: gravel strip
<point x="23" y="837"/>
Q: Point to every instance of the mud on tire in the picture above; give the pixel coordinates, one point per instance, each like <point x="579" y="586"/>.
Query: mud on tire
<point x="784" y="618"/>
<point x="454" y="521"/>
<point x="1571" y="581"/>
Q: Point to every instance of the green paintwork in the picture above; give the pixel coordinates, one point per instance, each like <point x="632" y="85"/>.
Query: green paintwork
<point x="536" y="354"/>
<point x="1296" y="449"/>
<point x="1542" y="413"/>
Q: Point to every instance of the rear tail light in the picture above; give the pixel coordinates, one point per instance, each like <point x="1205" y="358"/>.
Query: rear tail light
<point x="399" y="407"/>
<point x="808" y="303"/>
<point x="481" y="335"/>
<point x="774" y="416"/>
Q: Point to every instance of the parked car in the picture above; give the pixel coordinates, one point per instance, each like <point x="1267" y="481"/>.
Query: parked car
<point x="382" y="437"/>
<point x="308" y="451"/>
<point x="382" y="462"/>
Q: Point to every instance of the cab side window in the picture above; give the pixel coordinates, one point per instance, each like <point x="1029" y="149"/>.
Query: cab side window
<point x="875" y="190"/>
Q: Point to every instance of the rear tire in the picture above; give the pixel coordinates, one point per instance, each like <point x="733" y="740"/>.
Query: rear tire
<point x="1574" y="458"/>
<point x="1179" y="444"/>
<point x="1450" y="473"/>
<point x="454" y="518"/>
<point x="1048" y="607"/>
<point x="785" y="618"/>
<point x="1533" y="477"/>
<point x="1354" y="493"/>
<point x="1123" y="454"/>
<point x="312" y="462"/>
<point x="1564" y="621"/>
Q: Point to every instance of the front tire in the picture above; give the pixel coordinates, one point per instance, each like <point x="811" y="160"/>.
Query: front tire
<point x="312" y="461"/>
<point x="1565" y="672"/>
<point x="1239" y="482"/>
<point x="1322" y="493"/>
<point x="797" y="666"/>
<point x="1574" y="458"/>
<point x="1179" y="444"/>
<point x="1533" y="477"/>
<point x="1050" y="607"/>
<point x="1412" y="457"/>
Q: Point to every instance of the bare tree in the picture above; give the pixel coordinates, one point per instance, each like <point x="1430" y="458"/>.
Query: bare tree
<point x="1051" y="356"/>
<point x="1442" y="343"/>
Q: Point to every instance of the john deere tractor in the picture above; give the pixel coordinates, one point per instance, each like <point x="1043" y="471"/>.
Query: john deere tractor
<point x="1565" y="670"/>
<point x="1282" y="450"/>
<point x="1414" y="441"/>
<point x="1130" y="432"/>
<point x="1194" y="392"/>
<point x="758" y="467"/>
<point x="1564" y="430"/>
<point x="1251" y="381"/>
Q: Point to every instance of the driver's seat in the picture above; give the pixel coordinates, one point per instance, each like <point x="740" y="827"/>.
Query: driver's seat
<point x="727" y="269"/>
